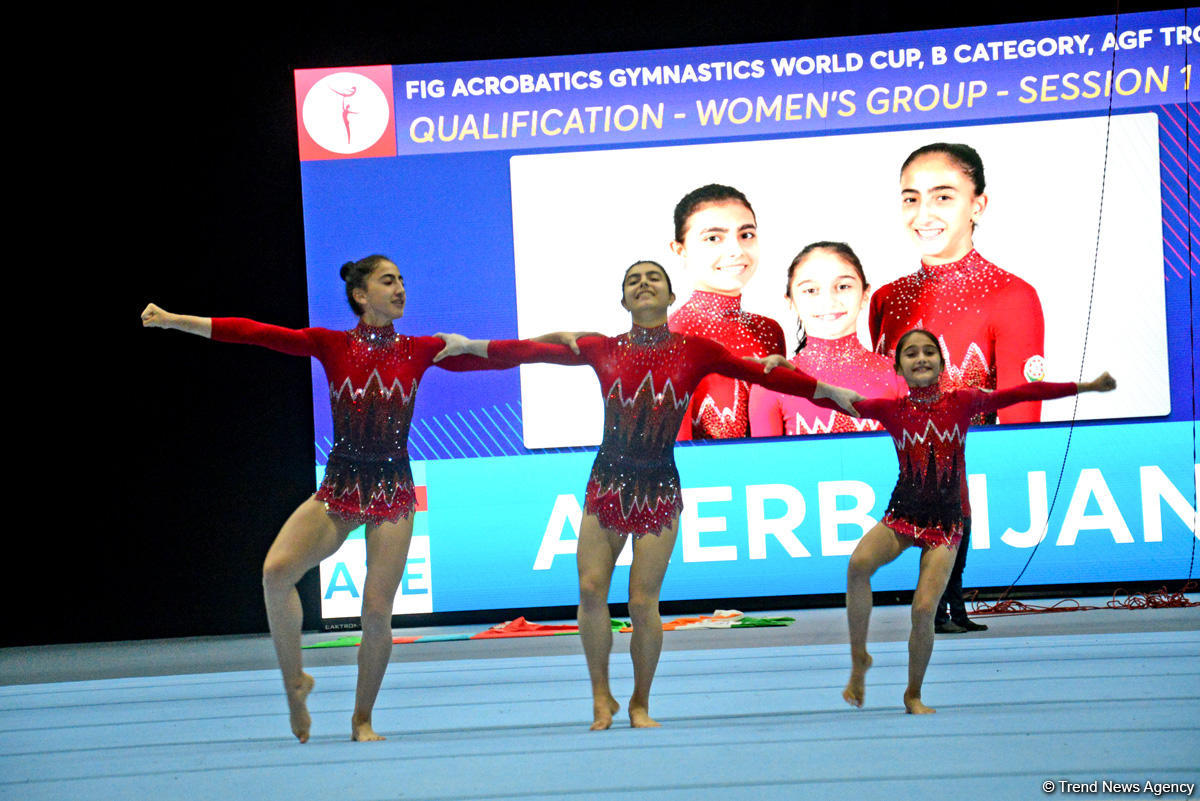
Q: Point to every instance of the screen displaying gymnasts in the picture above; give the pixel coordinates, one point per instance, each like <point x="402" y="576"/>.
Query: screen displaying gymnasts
<point x="1021" y="190"/>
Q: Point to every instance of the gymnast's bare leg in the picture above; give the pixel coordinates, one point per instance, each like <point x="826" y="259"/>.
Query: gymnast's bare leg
<point x="878" y="546"/>
<point x="936" y="564"/>
<point x="309" y="535"/>
<point x="387" y="552"/>
<point x="651" y="553"/>
<point x="595" y="557"/>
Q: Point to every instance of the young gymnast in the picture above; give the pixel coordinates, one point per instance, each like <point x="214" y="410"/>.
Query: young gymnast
<point x="373" y="373"/>
<point x="989" y="320"/>
<point x="647" y="377"/>
<point x="929" y="506"/>
<point x="716" y="237"/>
<point x="827" y="290"/>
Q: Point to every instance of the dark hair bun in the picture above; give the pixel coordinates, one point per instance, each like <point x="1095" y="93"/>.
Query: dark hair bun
<point x="346" y="268"/>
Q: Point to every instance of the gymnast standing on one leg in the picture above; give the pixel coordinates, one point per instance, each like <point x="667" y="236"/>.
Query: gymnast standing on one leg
<point x="929" y="506"/>
<point x="373" y="373"/>
<point x="990" y="322"/>
<point x="647" y="376"/>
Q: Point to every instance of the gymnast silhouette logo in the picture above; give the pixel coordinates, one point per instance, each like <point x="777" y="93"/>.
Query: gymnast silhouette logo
<point x="345" y="112"/>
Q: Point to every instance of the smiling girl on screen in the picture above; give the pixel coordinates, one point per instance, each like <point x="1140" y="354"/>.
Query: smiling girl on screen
<point x="827" y="290"/>
<point x="990" y="321"/>
<point x="716" y="236"/>
<point x="929" y="507"/>
<point x="373" y="373"/>
<point x="647" y="377"/>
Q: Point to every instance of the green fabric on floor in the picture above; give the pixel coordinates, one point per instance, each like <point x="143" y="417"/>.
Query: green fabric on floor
<point x="340" y="642"/>
<point x="760" y="622"/>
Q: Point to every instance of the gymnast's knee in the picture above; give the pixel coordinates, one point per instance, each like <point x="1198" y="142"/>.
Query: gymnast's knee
<point x="859" y="568"/>
<point x="924" y="607"/>
<point x="593" y="589"/>
<point x="376" y="610"/>
<point x="642" y="605"/>
<point x="277" y="575"/>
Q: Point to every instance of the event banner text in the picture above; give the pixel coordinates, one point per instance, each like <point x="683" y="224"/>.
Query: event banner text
<point x="813" y="86"/>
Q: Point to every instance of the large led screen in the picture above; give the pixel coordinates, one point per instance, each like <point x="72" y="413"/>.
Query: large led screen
<point x="513" y="194"/>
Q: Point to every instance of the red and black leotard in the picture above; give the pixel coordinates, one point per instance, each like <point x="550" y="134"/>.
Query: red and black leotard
<point x="989" y="321"/>
<point x="647" y="377"/>
<point x="720" y="406"/>
<point x="929" y="427"/>
<point x="843" y="362"/>
<point x="373" y="375"/>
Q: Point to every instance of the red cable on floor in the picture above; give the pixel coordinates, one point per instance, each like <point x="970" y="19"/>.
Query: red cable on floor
<point x="1158" y="599"/>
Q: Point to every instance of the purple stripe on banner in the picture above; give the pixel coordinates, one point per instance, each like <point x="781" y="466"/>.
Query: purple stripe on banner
<point x="1172" y="193"/>
<point x="488" y="431"/>
<point x="474" y="433"/>
<point x="514" y="444"/>
<point x="1175" y="126"/>
<point x="451" y="438"/>
<point x="1174" y="212"/>
<point x="1171" y="155"/>
<point x="1166" y="113"/>
<point x="437" y="439"/>
<point x="1178" y="273"/>
<point x="516" y="416"/>
<point x="423" y="451"/>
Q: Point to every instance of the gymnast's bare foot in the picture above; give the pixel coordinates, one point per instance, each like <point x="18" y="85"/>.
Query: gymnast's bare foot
<point x="603" y="708"/>
<point x="639" y="715"/>
<point x="297" y="697"/>
<point x="361" y="731"/>
<point x="913" y="705"/>
<point x="856" y="688"/>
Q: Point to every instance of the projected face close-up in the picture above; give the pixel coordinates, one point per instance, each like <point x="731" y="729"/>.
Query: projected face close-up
<point x="827" y="294"/>
<point x="719" y="250"/>
<point x="939" y="208"/>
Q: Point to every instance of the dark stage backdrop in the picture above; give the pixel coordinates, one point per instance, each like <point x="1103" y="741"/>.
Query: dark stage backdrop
<point x="156" y="468"/>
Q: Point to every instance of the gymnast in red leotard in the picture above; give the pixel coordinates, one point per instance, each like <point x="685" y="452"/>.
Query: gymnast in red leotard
<point x="929" y="507"/>
<point x="647" y="377"/>
<point x="373" y="374"/>
<point x="990" y="321"/>
<point x="716" y="236"/>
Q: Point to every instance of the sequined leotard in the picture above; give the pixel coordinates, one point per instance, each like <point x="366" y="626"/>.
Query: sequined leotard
<point x="720" y="406"/>
<point x="373" y="375"/>
<point x="929" y="427"/>
<point x="990" y="323"/>
<point x="843" y="362"/>
<point x="647" y="377"/>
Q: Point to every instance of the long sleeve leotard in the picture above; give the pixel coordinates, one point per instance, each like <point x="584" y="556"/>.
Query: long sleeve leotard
<point x="989" y="321"/>
<point x="373" y="375"/>
<point x="646" y="377"/>
<point x="720" y="406"/>
<point x="843" y="362"/>
<point x="929" y="427"/>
